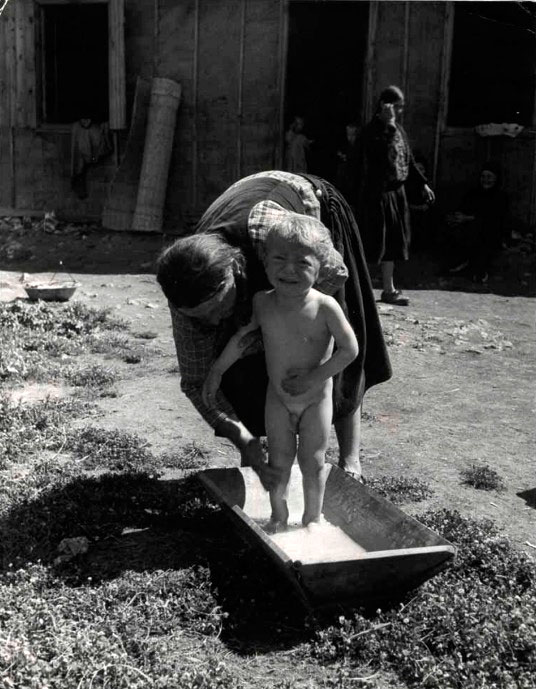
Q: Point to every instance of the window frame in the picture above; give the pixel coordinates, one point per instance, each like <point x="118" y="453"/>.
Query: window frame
<point x="116" y="63"/>
<point x="444" y="125"/>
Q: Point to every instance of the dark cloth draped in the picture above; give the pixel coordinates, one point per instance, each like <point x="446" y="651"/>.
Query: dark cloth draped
<point x="357" y="299"/>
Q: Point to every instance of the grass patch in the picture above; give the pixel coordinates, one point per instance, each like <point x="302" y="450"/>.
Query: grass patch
<point x="483" y="477"/>
<point x="28" y="429"/>
<point x="68" y="320"/>
<point x="94" y="376"/>
<point x="190" y="456"/>
<point x="118" y="634"/>
<point x="400" y="489"/>
<point x="19" y="364"/>
<point x="110" y="449"/>
<point x="39" y="339"/>
<point x="115" y="450"/>
<point x="472" y="626"/>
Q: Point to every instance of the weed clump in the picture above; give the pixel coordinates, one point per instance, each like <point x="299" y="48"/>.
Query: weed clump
<point x="114" y="634"/>
<point x="400" y="489"/>
<point x="483" y="477"/>
<point x="37" y="338"/>
<point x="190" y="456"/>
<point x="111" y="449"/>
<point x="472" y="626"/>
<point x="26" y="429"/>
<point x="69" y="320"/>
<point x="94" y="376"/>
<point x="116" y="450"/>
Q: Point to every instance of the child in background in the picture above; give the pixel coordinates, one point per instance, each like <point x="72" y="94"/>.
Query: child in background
<point x="297" y="146"/>
<point x="300" y="327"/>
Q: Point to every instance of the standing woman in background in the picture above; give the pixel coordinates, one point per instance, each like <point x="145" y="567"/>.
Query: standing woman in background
<point x="385" y="164"/>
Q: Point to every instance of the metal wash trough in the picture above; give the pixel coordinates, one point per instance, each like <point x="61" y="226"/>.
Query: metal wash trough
<point x="376" y="553"/>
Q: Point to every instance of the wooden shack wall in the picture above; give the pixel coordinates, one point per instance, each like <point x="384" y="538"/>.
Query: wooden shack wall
<point x="229" y="56"/>
<point x="35" y="159"/>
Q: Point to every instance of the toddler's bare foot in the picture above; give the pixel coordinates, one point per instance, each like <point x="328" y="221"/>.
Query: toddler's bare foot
<point x="314" y="524"/>
<point x="351" y="466"/>
<point x="275" y="526"/>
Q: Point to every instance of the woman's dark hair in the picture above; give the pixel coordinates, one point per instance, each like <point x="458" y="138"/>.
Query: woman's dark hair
<point x="391" y="94"/>
<point x="191" y="270"/>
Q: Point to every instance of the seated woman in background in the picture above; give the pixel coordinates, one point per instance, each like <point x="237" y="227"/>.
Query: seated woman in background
<point x="478" y="230"/>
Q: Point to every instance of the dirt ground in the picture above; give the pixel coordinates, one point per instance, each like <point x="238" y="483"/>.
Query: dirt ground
<point x="463" y="358"/>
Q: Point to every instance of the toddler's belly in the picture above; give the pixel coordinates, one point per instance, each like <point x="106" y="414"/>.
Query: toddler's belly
<point x="297" y="404"/>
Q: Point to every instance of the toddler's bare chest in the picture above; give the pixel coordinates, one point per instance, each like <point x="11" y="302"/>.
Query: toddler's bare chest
<point x="295" y="331"/>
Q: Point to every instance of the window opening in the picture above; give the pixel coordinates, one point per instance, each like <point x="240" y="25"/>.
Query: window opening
<point x="324" y="82"/>
<point x="493" y="63"/>
<point x="75" y="62"/>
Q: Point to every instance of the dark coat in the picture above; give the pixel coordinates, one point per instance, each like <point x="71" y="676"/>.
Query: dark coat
<point x="382" y="210"/>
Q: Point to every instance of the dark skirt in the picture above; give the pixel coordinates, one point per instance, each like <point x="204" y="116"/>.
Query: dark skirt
<point x="245" y="383"/>
<point x="385" y="225"/>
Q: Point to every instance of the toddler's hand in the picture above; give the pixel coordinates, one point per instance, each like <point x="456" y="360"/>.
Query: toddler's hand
<point x="297" y="381"/>
<point x="211" y="387"/>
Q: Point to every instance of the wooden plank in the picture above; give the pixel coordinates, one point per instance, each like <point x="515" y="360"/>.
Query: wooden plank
<point x="406" y="51"/>
<point x="176" y="60"/>
<point x="389" y="49"/>
<point x="372" y="578"/>
<point x="282" y="53"/>
<point x="11" y="62"/>
<point x="195" y="131"/>
<point x="370" y="56"/>
<point x="218" y="72"/>
<point x="263" y="85"/>
<point x="116" y="64"/>
<point x="443" y="102"/>
<point x="240" y="104"/>
<point x="370" y="520"/>
<point x="425" y="39"/>
<point x="7" y="212"/>
<point x="4" y="84"/>
<point x="71" y="2"/>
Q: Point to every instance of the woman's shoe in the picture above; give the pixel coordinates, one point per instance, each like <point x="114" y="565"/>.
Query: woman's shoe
<point x="395" y="297"/>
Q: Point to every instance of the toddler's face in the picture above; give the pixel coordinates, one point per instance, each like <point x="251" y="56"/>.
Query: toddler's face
<point x="292" y="269"/>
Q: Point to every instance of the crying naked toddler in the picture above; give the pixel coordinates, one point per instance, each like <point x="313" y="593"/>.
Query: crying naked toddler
<point x="307" y="340"/>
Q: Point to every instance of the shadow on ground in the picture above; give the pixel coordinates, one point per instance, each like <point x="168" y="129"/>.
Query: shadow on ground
<point x="529" y="496"/>
<point x="513" y="274"/>
<point x="135" y="522"/>
<point x="92" y="250"/>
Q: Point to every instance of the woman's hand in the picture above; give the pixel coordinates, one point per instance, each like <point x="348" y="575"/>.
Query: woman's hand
<point x="252" y="455"/>
<point x="297" y="381"/>
<point x="211" y="387"/>
<point x="428" y="194"/>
